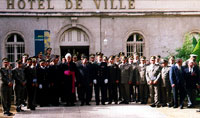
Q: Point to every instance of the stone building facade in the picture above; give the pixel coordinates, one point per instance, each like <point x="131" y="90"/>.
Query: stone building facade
<point x="149" y="27"/>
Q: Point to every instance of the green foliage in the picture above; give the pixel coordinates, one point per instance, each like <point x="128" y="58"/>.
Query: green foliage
<point x="187" y="48"/>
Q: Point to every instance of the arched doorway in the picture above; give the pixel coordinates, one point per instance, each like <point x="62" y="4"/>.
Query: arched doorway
<point x="74" y="41"/>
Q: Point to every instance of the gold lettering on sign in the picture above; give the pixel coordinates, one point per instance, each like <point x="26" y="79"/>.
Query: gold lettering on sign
<point x="121" y="5"/>
<point x="131" y="4"/>
<point x="31" y="3"/>
<point x="68" y="2"/>
<point x="40" y="4"/>
<point x="10" y="4"/>
<point x="49" y="5"/>
<point x="21" y="4"/>
<point x="78" y="4"/>
<point x="112" y="4"/>
<point x="106" y="4"/>
<point x="97" y="3"/>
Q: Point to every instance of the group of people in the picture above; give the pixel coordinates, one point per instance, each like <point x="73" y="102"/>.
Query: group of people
<point x="46" y="80"/>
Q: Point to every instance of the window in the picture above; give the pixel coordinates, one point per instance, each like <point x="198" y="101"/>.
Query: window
<point x="15" y="47"/>
<point x="74" y="37"/>
<point x="135" y="44"/>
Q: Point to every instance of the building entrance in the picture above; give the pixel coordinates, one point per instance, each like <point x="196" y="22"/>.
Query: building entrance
<point x="78" y="50"/>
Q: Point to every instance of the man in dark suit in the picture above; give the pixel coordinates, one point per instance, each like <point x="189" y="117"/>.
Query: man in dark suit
<point x="177" y="81"/>
<point x="84" y="82"/>
<point x="192" y="80"/>
<point x="101" y="80"/>
<point x="113" y="78"/>
<point x="31" y="78"/>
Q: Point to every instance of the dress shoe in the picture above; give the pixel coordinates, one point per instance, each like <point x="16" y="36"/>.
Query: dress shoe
<point x="126" y="102"/>
<point x="190" y="106"/>
<point x="82" y="104"/>
<point x="109" y="102"/>
<point x="116" y="102"/>
<point x="87" y="103"/>
<point x="198" y="110"/>
<point x="103" y="103"/>
<point x="33" y="108"/>
<point x="164" y="105"/>
<point x="175" y="106"/>
<point x="153" y="105"/>
<point x="181" y="106"/>
<point x="122" y="102"/>
<point x="8" y="113"/>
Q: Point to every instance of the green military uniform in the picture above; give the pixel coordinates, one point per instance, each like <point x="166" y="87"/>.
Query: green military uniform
<point x="153" y="73"/>
<point x="6" y="88"/>
<point x="126" y="78"/>
<point x="165" y="86"/>
<point x="143" y="84"/>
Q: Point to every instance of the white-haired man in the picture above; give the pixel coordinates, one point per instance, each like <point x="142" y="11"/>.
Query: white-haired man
<point x="70" y="72"/>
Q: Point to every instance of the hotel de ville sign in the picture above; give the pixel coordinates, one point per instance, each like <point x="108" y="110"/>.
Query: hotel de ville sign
<point x="67" y="5"/>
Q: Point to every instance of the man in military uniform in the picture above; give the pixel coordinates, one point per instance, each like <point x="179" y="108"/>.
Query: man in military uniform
<point x="101" y="81"/>
<point x="6" y="86"/>
<point x="43" y="84"/>
<point x="114" y="78"/>
<point x="93" y="71"/>
<point x="142" y="81"/>
<point x="20" y="84"/>
<point x="153" y="73"/>
<point x="31" y="78"/>
<point x="126" y="80"/>
<point x="54" y="81"/>
<point x="158" y="60"/>
<point x="85" y="82"/>
<point x="166" y="92"/>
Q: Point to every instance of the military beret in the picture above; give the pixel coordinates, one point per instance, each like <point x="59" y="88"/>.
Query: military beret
<point x="25" y="55"/>
<point x="49" y="49"/>
<point x="57" y="56"/>
<point x="5" y="60"/>
<point x="124" y="57"/>
<point x="92" y="55"/>
<point x="121" y="54"/>
<point x="84" y="57"/>
<point x="116" y="56"/>
<point x="164" y="61"/>
<point x="105" y="57"/>
<point x="142" y="58"/>
<point x="152" y="58"/>
<point x="99" y="54"/>
<point x="40" y="53"/>
<point x="42" y="60"/>
<point x="19" y="61"/>
<point x="135" y="53"/>
<point x="29" y="59"/>
<point x="34" y="59"/>
<point x="158" y="57"/>
<point x="112" y="57"/>
<point x="172" y="57"/>
<point x="130" y="57"/>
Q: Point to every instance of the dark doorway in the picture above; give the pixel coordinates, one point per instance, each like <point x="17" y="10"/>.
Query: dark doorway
<point x="78" y="50"/>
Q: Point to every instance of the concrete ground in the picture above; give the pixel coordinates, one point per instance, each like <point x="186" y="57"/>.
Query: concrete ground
<point x="108" y="111"/>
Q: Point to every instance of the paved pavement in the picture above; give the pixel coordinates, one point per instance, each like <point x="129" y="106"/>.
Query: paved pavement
<point x="93" y="111"/>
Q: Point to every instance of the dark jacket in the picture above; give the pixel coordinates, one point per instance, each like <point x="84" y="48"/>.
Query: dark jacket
<point x="191" y="78"/>
<point x="176" y="76"/>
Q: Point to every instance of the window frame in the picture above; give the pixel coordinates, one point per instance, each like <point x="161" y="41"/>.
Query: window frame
<point x="131" y="46"/>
